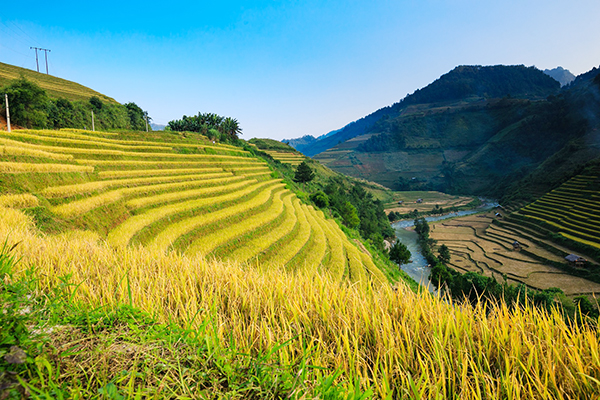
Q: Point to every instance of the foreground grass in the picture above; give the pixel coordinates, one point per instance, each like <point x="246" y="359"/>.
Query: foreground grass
<point x="52" y="347"/>
<point x="221" y="329"/>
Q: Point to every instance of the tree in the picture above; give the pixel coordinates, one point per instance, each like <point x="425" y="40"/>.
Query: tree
<point x="350" y="215"/>
<point x="96" y="103"/>
<point x="28" y="104"/>
<point x="231" y="127"/>
<point x="444" y="254"/>
<point x="422" y="227"/>
<point x="137" y="117"/>
<point x="320" y="199"/>
<point x="399" y="253"/>
<point x="304" y="173"/>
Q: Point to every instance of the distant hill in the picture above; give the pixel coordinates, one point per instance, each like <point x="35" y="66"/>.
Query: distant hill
<point x="306" y="141"/>
<point x="55" y="87"/>
<point x="563" y="76"/>
<point x="158" y="127"/>
<point x="464" y="84"/>
<point x="479" y="145"/>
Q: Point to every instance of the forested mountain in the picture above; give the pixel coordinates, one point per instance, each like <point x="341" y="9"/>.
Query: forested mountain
<point x="464" y="83"/>
<point x="479" y="133"/>
<point x="304" y="142"/>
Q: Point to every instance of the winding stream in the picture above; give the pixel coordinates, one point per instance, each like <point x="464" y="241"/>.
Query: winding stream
<point x="417" y="267"/>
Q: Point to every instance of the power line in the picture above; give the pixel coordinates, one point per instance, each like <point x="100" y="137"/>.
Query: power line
<point x="25" y="33"/>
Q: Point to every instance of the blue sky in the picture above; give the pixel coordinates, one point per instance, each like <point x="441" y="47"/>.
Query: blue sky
<point x="289" y="68"/>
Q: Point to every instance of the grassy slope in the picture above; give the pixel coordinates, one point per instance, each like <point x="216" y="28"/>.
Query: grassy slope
<point x="55" y="87"/>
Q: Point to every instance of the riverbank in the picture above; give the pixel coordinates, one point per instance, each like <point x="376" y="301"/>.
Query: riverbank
<point x="417" y="268"/>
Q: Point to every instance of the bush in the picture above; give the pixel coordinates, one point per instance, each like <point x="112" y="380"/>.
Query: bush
<point x="320" y="199"/>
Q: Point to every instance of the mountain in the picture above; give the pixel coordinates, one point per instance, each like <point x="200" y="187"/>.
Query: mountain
<point x="306" y="141"/>
<point x="563" y="76"/>
<point x="463" y="85"/>
<point x="466" y="142"/>
<point x="158" y="127"/>
<point x="301" y="142"/>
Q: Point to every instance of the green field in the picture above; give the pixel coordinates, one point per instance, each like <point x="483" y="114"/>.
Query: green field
<point x="572" y="211"/>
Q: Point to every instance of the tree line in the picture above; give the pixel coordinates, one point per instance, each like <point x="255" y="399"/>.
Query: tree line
<point x="32" y="108"/>
<point x="214" y="126"/>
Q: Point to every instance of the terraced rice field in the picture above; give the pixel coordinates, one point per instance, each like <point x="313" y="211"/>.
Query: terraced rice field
<point x="286" y="157"/>
<point x="478" y="245"/>
<point x="197" y="198"/>
<point x="571" y="210"/>
<point x="430" y="199"/>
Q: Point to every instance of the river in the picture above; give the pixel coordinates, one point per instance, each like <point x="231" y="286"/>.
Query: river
<point x="417" y="267"/>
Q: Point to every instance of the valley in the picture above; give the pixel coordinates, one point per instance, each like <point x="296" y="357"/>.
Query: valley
<point x="188" y="263"/>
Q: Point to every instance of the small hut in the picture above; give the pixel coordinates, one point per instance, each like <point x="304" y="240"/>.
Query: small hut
<point x="419" y="201"/>
<point x="400" y="202"/>
<point x="576" y="261"/>
<point x="516" y="246"/>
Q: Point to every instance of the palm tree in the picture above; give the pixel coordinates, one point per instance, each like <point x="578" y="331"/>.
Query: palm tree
<point x="231" y="126"/>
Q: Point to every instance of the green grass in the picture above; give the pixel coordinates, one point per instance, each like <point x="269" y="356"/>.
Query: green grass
<point x="53" y="347"/>
<point x="55" y="87"/>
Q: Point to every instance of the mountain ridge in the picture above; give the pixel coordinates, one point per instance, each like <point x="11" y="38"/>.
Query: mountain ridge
<point x="463" y="83"/>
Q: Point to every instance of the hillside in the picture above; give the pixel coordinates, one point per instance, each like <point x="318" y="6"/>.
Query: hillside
<point x="482" y="146"/>
<point x="172" y="193"/>
<point x="55" y="87"/>
<point x="459" y="87"/>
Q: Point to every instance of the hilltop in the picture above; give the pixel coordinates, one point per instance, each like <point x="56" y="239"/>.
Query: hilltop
<point x="54" y="86"/>
<point x="563" y="76"/>
<point x="43" y="101"/>
<point x="461" y="86"/>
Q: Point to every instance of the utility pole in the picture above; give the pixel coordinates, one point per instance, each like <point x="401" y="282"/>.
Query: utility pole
<point x="7" y="112"/>
<point x="36" y="57"/>
<point x="146" y="122"/>
<point x="93" y="127"/>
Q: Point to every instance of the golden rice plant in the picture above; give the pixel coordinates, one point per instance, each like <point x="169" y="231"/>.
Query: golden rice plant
<point x="158" y="165"/>
<point x="171" y="233"/>
<point x="374" y="274"/>
<point x="154" y="172"/>
<point x="207" y="243"/>
<point x="337" y="260"/>
<point x="87" y="132"/>
<point x="395" y="342"/>
<point x="19" y="151"/>
<point x="19" y="168"/>
<point x="245" y="169"/>
<point x="313" y="254"/>
<point x="216" y="186"/>
<point x="123" y="233"/>
<point x="86" y="141"/>
<point x="578" y="239"/>
<point x="121" y="142"/>
<point x="261" y="243"/>
<point x="78" y="207"/>
<point x="122" y="153"/>
<point x="289" y="250"/>
<point x="18" y="200"/>
<point x="88" y="187"/>
<point x="356" y="270"/>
